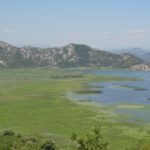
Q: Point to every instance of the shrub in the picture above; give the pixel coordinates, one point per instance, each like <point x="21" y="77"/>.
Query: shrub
<point x="8" y="133"/>
<point x="92" y="141"/>
<point x="48" y="145"/>
<point x="18" y="135"/>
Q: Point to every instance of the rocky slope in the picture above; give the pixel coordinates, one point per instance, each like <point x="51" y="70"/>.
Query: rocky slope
<point x="72" y="55"/>
<point x="143" y="67"/>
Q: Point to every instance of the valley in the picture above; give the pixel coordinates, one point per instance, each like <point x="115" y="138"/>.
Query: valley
<point x="35" y="102"/>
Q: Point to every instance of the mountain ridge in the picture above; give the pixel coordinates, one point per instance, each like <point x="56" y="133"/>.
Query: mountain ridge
<point x="142" y="53"/>
<point x="71" y="55"/>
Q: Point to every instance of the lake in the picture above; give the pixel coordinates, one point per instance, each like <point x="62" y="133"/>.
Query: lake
<point x="128" y="98"/>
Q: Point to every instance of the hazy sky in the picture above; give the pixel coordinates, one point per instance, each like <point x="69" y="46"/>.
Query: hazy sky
<point x="103" y="24"/>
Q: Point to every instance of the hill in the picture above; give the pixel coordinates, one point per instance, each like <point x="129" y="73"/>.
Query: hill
<point x="142" y="53"/>
<point x="72" y="55"/>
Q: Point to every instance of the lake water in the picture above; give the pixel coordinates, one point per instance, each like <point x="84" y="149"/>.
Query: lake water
<point x="130" y="95"/>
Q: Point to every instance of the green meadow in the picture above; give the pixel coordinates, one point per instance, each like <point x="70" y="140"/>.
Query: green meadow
<point x="34" y="102"/>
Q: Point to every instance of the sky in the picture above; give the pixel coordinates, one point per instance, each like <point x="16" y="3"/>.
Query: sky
<point x="103" y="24"/>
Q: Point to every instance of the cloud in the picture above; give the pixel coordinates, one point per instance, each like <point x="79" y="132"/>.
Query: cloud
<point x="93" y="33"/>
<point x="89" y="35"/>
<point x="137" y="33"/>
<point x="6" y="30"/>
<point x="106" y="35"/>
<point x="75" y="34"/>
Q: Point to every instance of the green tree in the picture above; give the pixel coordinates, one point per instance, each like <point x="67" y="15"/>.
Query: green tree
<point x="92" y="141"/>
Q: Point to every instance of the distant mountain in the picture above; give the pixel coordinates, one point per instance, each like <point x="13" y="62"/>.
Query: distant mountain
<point x="72" y="55"/>
<point x="143" y="54"/>
<point x="146" y="57"/>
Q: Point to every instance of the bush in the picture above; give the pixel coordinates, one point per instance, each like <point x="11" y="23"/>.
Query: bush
<point x="8" y="133"/>
<point x="31" y="139"/>
<point x="18" y="135"/>
<point x="92" y="141"/>
<point x="48" y="145"/>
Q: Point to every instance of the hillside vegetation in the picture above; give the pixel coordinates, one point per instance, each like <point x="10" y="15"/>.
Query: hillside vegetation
<point x="72" y="55"/>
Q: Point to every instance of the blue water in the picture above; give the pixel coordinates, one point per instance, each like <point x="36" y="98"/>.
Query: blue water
<point x="126" y="73"/>
<point x="113" y="94"/>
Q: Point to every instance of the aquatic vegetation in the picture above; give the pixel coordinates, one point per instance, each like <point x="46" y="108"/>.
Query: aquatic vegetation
<point x="89" y="91"/>
<point x="130" y="106"/>
<point x="85" y="100"/>
<point x="130" y="87"/>
<point x="140" y="89"/>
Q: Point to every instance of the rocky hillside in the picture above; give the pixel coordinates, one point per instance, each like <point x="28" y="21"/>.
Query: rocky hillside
<point x="72" y="55"/>
<point x="143" y="67"/>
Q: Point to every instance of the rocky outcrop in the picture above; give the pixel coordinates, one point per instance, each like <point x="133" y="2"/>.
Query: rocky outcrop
<point x="142" y="67"/>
